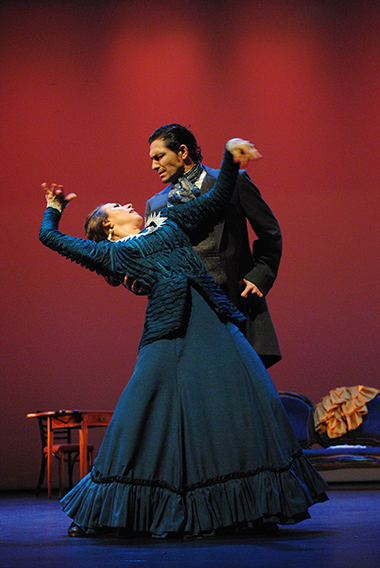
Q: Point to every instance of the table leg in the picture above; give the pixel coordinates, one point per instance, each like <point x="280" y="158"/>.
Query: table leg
<point x="49" y="454"/>
<point x="83" y="441"/>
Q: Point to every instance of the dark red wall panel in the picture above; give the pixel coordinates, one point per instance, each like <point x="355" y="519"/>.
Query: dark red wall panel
<point x="82" y="87"/>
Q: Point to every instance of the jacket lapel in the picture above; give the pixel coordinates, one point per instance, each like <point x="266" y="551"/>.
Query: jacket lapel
<point x="207" y="184"/>
<point x="160" y="200"/>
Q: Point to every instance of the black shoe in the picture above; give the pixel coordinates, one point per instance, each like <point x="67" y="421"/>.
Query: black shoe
<point x="76" y="531"/>
<point x="267" y="529"/>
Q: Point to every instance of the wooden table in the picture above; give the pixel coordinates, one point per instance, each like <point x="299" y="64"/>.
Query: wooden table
<point x="82" y="420"/>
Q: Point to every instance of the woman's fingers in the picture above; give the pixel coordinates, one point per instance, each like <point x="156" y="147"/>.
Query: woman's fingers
<point x="56" y="191"/>
<point x="243" y="152"/>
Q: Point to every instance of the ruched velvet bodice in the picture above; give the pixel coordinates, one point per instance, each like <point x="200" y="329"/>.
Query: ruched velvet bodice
<point x="160" y="258"/>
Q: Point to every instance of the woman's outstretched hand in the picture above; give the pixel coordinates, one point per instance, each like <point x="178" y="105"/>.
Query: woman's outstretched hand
<point x="55" y="195"/>
<point x="242" y="151"/>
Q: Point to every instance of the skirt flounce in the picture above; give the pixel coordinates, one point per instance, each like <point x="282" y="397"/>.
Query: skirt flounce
<point x="281" y="497"/>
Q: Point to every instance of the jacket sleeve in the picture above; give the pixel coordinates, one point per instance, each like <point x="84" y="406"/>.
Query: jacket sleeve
<point x="148" y="209"/>
<point x="194" y="214"/>
<point x="98" y="257"/>
<point x="267" y="249"/>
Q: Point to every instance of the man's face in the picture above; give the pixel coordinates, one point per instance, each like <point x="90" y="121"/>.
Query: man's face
<point x="168" y="164"/>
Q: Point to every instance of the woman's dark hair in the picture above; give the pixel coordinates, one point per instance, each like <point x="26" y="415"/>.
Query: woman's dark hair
<point x="174" y="136"/>
<point x="93" y="226"/>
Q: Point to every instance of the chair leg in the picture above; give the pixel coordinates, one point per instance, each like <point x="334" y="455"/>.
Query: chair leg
<point x="70" y="466"/>
<point x="42" y="475"/>
<point x="61" y="470"/>
<point x="61" y="473"/>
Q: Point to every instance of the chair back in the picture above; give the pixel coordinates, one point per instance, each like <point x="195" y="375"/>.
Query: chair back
<point x="61" y="435"/>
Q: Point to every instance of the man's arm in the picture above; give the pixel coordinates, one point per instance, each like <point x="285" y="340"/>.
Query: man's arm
<point x="267" y="249"/>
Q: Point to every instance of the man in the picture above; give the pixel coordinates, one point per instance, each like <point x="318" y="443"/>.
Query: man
<point x="245" y="276"/>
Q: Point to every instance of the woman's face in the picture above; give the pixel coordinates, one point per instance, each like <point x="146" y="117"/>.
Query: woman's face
<point x="123" y="216"/>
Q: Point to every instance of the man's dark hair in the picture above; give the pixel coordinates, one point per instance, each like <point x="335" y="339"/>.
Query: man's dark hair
<point x="174" y="136"/>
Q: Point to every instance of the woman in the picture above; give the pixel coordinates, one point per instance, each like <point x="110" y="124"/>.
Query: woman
<point x="199" y="441"/>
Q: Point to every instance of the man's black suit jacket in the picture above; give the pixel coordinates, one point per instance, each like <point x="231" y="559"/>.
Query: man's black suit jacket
<point x="259" y="265"/>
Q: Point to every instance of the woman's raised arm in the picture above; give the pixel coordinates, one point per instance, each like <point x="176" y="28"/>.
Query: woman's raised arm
<point x="96" y="257"/>
<point x="203" y="211"/>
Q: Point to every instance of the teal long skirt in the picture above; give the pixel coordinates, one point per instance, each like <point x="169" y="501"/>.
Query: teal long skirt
<point x="199" y="441"/>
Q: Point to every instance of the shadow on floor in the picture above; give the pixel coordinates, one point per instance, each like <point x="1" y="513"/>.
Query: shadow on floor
<point x="342" y="533"/>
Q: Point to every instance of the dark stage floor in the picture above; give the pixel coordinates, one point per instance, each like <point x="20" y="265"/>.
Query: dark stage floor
<point x="342" y="533"/>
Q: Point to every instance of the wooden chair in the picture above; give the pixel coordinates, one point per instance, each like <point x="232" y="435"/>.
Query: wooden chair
<point x="63" y="450"/>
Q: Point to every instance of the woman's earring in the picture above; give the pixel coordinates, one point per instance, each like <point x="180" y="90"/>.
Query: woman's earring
<point x="110" y="233"/>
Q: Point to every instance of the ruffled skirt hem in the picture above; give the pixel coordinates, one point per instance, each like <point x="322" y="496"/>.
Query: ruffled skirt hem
<point x="150" y="508"/>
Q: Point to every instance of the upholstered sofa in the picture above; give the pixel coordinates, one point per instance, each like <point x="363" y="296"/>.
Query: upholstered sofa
<point x="359" y="448"/>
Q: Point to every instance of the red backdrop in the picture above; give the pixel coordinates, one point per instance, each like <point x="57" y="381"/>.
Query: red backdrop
<point x="82" y="87"/>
